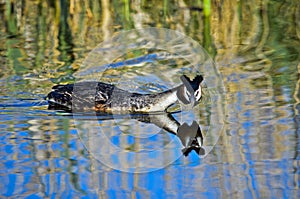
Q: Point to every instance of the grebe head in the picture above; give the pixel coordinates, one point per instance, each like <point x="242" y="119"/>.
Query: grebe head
<point x="191" y="92"/>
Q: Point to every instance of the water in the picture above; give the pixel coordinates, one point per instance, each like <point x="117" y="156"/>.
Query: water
<point x="43" y="152"/>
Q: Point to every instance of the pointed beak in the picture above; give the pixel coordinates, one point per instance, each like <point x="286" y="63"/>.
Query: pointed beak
<point x="193" y="100"/>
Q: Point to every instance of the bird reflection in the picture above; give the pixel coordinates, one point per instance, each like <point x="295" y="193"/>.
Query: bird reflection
<point x="191" y="138"/>
<point x="190" y="135"/>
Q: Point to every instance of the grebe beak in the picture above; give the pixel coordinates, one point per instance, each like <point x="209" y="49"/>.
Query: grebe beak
<point x="193" y="100"/>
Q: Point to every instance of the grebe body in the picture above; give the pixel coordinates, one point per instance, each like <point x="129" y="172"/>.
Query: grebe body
<point x="107" y="98"/>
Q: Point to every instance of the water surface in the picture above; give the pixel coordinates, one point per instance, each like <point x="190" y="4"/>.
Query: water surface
<point x="256" y="49"/>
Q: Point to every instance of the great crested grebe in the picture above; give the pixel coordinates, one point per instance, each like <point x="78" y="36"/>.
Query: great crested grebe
<point x="107" y="98"/>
